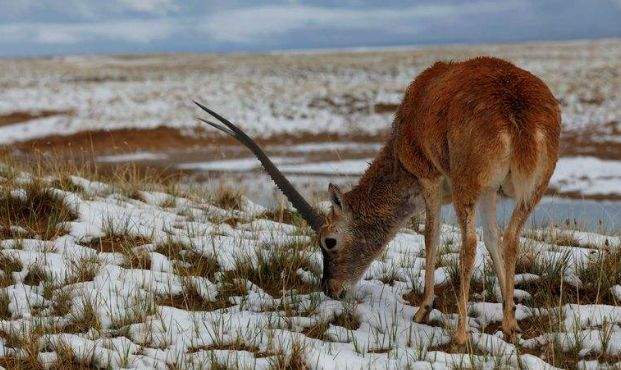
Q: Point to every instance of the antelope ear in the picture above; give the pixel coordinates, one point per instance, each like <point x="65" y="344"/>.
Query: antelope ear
<point x="336" y="197"/>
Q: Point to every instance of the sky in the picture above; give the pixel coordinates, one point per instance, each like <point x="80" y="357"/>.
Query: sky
<point x="61" y="27"/>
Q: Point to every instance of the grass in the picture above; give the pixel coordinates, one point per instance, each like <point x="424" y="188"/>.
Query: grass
<point x="36" y="210"/>
<point x="346" y="319"/>
<point x="294" y="360"/>
<point x="190" y="299"/>
<point x="5" y="300"/>
<point x="237" y="345"/>
<point x="137" y="260"/>
<point x="67" y="358"/>
<point x="188" y="264"/>
<point x="228" y="198"/>
<point x="116" y="242"/>
<point x="64" y="182"/>
<point x="194" y="264"/>
<point x="84" y="321"/>
<point x="283" y="214"/>
<point x="62" y="301"/>
<point x="36" y="275"/>
<point x="599" y="276"/>
<point x="84" y="269"/>
<point x="274" y="270"/>
<point x="172" y="249"/>
<point x="9" y="265"/>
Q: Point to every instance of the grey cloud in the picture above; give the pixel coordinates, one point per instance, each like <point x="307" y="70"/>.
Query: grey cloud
<point x="89" y="26"/>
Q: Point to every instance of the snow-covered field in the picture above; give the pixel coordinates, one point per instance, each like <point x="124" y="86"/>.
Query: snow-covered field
<point x="332" y="106"/>
<point x="139" y="279"/>
<point x="284" y="93"/>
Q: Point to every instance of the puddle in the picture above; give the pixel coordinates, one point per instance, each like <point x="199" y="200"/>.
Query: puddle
<point x="312" y="166"/>
<point x="590" y="215"/>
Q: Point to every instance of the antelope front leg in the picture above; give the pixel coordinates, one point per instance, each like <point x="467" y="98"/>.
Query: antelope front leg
<point x="433" y="202"/>
<point x="465" y="213"/>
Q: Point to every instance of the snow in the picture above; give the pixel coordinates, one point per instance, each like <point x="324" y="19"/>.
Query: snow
<point x="244" y="164"/>
<point x="333" y="93"/>
<point x="587" y="175"/>
<point x="330" y="147"/>
<point x="306" y="97"/>
<point x="136" y="332"/>
<point x="137" y="156"/>
<point x="344" y="167"/>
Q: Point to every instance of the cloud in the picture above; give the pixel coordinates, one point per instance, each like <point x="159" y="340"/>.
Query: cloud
<point x="151" y="6"/>
<point x="134" y="30"/>
<point x="82" y="10"/>
<point x="247" y="25"/>
<point x="30" y="27"/>
<point x="242" y="26"/>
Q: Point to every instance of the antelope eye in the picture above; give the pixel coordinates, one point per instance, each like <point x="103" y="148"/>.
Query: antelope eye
<point x="330" y="243"/>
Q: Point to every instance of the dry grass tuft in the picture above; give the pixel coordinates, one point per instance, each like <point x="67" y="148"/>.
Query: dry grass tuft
<point x="113" y="242"/>
<point x="61" y="304"/>
<point x="20" y="363"/>
<point x="194" y="264"/>
<point x="284" y="215"/>
<point x="238" y="345"/>
<point x="82" y="270"/>
<point x="68" y="360"/>
<point x="347" y="320"/>
<point x="228" y="198"/>
<point x="296" y="360"/>
<point x="28" y="343"/>
<point x="39" y="212"/>
<point x="84" y="321"/>
<point x="285" y="261"/>
<point x="317" y="331"/>
<point x="137" y="260"/>
<point x="445" y="301"/>
<point x="599" y="276"/>
<point x="63" y="182"/>
<point x="8" y="265"/>
<point x="5" y="313"/>
<point x="171" y="249"/>
<point x="36" y="275"/>
<point x="559" y="236"/>
<point x="131" y="178"/>
<point x="191" y="300"/>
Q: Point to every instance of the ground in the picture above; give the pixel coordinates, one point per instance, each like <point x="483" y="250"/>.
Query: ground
<point x="315" y="109"/>
<point x="121" y="274"/>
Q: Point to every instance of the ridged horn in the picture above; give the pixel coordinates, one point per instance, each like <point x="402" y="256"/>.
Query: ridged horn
<point x="312" y="217"/>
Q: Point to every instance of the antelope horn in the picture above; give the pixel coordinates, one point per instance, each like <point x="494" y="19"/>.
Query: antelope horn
<point x="309" y="214"/>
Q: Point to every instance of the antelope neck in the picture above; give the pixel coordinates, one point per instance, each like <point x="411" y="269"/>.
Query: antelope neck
<point x="383" y="200"/>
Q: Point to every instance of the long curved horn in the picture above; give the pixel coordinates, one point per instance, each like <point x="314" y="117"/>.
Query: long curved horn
<point x="306" y="210"/>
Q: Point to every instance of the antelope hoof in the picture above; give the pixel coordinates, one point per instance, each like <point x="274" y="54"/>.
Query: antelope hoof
<point x="422" y="315"/>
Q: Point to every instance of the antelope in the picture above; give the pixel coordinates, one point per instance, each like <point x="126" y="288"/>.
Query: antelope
<point x="465" y="132"/>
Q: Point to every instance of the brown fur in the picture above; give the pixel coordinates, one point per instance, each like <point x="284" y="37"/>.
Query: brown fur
<point x="481" y="126"/>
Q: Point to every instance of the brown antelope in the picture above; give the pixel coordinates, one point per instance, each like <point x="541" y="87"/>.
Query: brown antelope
<point x="464" y="132"/>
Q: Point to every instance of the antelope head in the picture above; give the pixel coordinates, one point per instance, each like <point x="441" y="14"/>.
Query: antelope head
<point x="349" y="240"/>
